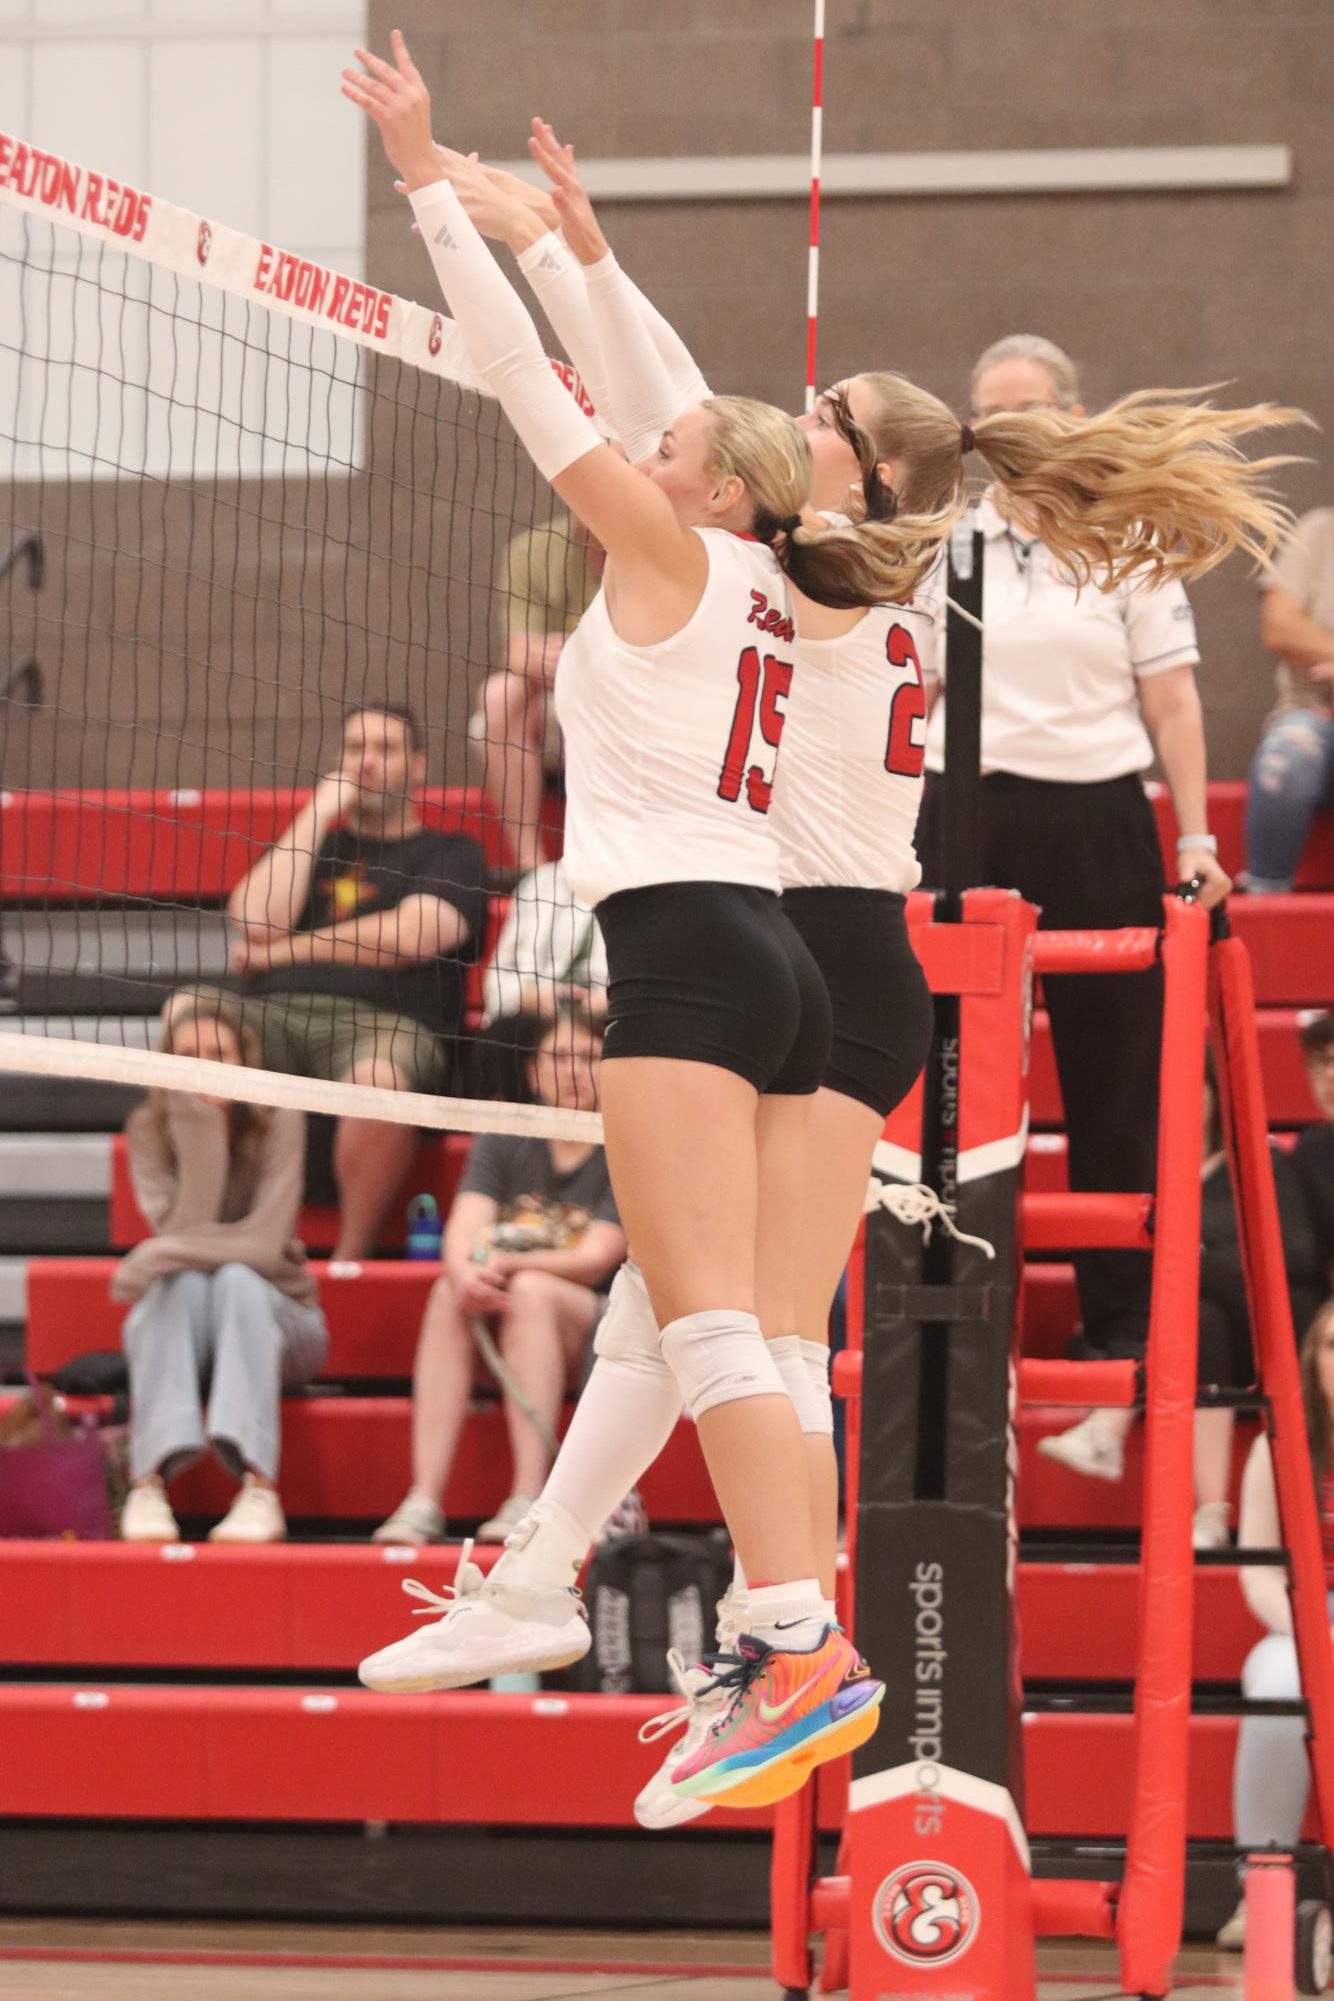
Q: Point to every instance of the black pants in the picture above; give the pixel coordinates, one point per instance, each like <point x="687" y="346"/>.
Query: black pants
<point x="1088" y="856"/>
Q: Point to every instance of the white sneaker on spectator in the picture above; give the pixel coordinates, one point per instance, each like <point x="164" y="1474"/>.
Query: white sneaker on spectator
<point x="1232" y="1936"/>
<point x="485" y="1630"/>
<point x="1093" y="1447"/>
<point x="256" y="1515"/>
<point x="657" y="1806"/>
<point x="146" y="1515"/>
<point x="1209" y="1529"/>
<point x="628" y="1518"/>
<point x="416" y="1520"/>
<point x="506" y="1519"/>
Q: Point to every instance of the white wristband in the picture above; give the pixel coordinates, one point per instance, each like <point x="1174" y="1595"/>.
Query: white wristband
<point x="1207" y="842"/>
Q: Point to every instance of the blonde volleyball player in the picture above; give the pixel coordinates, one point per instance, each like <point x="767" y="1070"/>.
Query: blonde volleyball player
<point x="671" y="693"/>
<point x="848" y="786"/>
<point x="866" y="559"/>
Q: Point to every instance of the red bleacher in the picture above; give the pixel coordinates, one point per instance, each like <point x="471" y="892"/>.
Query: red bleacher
<point x="251" y="1754"/>
<point x="1227" y="823"/>
<point x="274" y="1753"/>
<point x="319" y="1607"/>
<point x="82" y="847"/>
<point x="78" y="846"/>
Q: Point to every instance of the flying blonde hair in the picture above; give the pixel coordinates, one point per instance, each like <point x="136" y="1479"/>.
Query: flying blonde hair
<point x="1155" y="487"/>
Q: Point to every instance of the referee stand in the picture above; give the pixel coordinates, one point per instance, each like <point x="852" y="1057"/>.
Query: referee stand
<point x="934" y="1893"/>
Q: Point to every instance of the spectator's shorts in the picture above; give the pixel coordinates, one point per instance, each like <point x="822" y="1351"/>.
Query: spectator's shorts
<point x="711" y="972"/>
<point x="324" y="1035"/>
<point x="881" y="1002"/>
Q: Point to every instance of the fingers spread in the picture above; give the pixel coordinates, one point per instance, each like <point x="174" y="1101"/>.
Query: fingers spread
<point x="377" y="66"/>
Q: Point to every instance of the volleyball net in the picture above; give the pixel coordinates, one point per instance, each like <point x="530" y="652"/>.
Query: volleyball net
<point x="264" y="542"/>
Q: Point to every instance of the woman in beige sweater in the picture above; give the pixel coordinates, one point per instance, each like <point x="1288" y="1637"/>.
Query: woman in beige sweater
<point x="223" y="1304"/>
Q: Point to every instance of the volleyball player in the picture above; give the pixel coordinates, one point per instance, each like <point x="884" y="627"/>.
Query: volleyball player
<point x="845" y="803"/>
<point x="713" y="1000"/>
<point x="844" y="568"/>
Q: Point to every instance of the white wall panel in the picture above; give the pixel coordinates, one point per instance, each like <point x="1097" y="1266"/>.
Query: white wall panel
<point x="229" y="110"/>
<point x="15" y="88"/>
<point x="316" y="145"/>
<point x="88" y="103"/>
<point x="206" y="115"/>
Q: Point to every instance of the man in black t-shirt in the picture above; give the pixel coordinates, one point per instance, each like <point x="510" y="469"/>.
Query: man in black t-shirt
<point x="356" y="929"/>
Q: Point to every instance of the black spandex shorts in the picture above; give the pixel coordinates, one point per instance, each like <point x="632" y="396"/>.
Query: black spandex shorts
<point x="711" y="972"/>
<point x="882" y="1005"/>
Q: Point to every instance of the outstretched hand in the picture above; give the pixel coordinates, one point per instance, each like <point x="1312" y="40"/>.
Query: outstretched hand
<point x="537" y="199"/>
<point x="578" y="222"/>
<point x="395" y="97"/>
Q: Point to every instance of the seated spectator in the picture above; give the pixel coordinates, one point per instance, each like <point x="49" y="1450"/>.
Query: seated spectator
<point x="1314" y="1158"/>
<point x="356" y="931"/>
<point x="549" y="953"/>
<point x="221" y="1292"/>
<point x="1271" y="1777"/>
<point x="1292" y="776"/>
<point x="548" y="578"/>
<point x="1226" y="1357"/>
<point x="532" y="1245"/>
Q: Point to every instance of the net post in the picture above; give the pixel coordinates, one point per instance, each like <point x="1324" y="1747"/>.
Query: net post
<point x="1153" y="1893"/>
<point x="939" y="1894"/>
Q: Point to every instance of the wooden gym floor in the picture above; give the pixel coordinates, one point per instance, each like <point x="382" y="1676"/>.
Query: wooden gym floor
<point x="82" y="1960"/>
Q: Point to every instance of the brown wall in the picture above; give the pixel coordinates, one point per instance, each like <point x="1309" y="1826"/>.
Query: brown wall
<point x="197" y="634"/>
<point x="1141" y="289"/>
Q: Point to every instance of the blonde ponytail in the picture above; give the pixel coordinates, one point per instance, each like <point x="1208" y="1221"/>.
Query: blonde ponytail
<point x="858" y="563"/>
<point x="1155" y="487"/>
<point x="864" y="562"/>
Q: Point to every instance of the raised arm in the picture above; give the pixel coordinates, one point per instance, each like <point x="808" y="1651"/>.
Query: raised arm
<point x="664" y="564"/>
<point x="652" y="375"/>
<point x="267" y="902"/>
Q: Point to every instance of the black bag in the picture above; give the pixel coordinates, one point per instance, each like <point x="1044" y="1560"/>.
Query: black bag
<point x="645" y="1594"/>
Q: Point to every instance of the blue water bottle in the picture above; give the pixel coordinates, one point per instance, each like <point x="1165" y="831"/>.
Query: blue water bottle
<point x="425" y="1230"/>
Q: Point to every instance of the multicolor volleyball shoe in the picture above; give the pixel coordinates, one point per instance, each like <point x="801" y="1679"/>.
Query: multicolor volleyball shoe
<point x="789" y="1712"/>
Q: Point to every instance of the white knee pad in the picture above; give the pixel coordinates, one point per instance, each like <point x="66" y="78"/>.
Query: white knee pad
<point x="720" y="1358"/>
<point x="627" y="1332"/>
<point x="804" y="1368"/>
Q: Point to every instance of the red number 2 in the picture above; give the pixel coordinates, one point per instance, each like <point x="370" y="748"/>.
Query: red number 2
<point x="766" y="686"/>
<point x="905" y="754"/>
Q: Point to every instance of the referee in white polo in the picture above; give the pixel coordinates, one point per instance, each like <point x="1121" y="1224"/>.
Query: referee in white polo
<point x="1080" y="690"/>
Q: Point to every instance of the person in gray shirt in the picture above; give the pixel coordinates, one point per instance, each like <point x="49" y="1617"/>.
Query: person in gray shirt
<point x="531" y="1246"/>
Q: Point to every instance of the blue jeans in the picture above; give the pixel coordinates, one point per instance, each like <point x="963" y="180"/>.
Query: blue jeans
<point x="1292" y="778"/>
<point x="228" y="1336"/>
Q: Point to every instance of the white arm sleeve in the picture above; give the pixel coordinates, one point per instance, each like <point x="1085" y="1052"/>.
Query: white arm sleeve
<point x="501" y="337"/>
<point x="644" y="398"/>
<point x="557" y="280"/>
<point x="675" y="356"/>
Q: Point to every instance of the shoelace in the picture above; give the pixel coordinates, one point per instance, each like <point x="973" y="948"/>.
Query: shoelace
<point x="912" y="1202"/>
<point x="468" y="1581"/>
<point x="720" y="1667"/>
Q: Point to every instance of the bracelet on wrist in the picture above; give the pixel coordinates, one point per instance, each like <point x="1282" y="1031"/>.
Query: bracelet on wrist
<point x="1207" y="842"/>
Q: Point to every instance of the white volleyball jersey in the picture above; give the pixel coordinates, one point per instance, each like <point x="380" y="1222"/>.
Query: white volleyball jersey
<point x="670" y="749"/>
<point x="850" y="781"/>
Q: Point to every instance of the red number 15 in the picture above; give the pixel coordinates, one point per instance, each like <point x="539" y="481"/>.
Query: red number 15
<point x="765" y="686"/>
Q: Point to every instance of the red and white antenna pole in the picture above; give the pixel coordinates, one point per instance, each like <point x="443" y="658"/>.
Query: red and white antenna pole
<point x="817" y="146"/>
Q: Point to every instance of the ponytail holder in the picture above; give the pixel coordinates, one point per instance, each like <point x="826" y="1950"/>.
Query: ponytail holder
<point x="967" y="442"/>
<point x="790" y="523"/>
